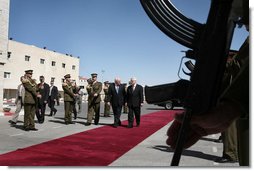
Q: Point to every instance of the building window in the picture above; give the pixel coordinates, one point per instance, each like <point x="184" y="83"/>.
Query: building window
<point x="73" y="67"/>
<point x="42" y="61"/>
<point x="7" y="75"/>
<point x="8" y="55"/>
<point x="53" y="63"/>
<point x="63" y="65"/>
<point x="27" y="58"/>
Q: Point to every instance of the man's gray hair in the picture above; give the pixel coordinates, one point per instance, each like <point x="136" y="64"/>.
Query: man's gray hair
<point x="134" y="78"/>
<point x="117" y="79"/>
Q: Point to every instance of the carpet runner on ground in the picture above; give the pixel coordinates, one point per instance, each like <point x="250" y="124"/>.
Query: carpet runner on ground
<point x="96" y="147"/>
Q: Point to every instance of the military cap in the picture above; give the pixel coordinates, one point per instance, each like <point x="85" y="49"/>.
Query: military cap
<point x="29" y="71"/>
<point x="67" y="76"/>
<point x="94" y="75"/>
<point x="41" y="76"/>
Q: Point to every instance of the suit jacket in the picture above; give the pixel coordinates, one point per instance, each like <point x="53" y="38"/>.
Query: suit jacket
<point x="95" y="88"/>
<point x="117" y="99"/>
<point x="136" y="97"/>
<point x="68" y="92"/>
<point x="54" y="93"/>
<point x="20" y="91"/>
<point x="43" y="89"/>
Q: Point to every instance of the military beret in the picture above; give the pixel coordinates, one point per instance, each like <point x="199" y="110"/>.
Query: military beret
<point x="41" y="76"/>
<point x="67" y="76"/>
<point x="94" y="75"/>
<point x="106" y="82"/>
<point x="29" y="71"/>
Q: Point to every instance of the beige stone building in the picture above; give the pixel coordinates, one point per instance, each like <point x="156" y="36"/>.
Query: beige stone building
<point x="52" y="65"/>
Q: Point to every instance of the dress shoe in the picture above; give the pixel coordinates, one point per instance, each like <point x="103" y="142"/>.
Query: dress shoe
<point x="26" y="129"/>
<point x="138" y="125"/>
<point x="33" y="129"/>
<point x="115" y="126"/>
<point x="11" y="122"/>
<point x="54" y="113"/>
<point x="129" y="126"/>
<point x="87" y="124"/>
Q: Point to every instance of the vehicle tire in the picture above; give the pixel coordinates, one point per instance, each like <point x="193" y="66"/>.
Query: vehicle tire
<point x="169" y="105"/>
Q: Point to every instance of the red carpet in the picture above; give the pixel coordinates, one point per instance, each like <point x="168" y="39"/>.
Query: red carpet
<point x="96" y="147"/>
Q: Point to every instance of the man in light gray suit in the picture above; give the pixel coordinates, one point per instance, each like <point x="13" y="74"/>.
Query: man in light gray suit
<point x="20" y="95"/>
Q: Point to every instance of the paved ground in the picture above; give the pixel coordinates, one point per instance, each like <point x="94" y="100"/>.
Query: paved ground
<point x="153" y="151"/>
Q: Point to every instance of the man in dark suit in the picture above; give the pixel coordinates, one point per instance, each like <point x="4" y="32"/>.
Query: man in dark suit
<point x="53" y="93"/>
<point x="43" y="90"/>
<point x="135" y="100"/>
<point x="116" y="93"/>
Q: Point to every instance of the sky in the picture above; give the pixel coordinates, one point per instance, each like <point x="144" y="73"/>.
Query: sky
<point x="114" y="38"/>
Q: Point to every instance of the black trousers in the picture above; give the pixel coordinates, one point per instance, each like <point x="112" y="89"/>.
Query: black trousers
<point x="117" y="115"/>
<point x="51" y="104"/>
<point x="74" y="109"/>
<point x="40" y="112"/>
<point x="134" y="111"/>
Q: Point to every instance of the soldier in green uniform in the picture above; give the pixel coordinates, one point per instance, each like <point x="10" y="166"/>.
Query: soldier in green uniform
<point x="30" y="100"/>
<point x="106" y="100"/>
<point x="94" y="99"/>
<point x="69" y="97"/>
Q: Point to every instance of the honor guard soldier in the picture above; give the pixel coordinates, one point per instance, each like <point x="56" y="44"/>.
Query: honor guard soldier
<point x="30" y="100"/>
<point x="106" y="99"/>
<point x="94" y="99"/>
<point x="69" y="97"/>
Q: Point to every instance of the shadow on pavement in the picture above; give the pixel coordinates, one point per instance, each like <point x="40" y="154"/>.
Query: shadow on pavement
<point x="191" y="153"/>
<point x="57" y="121"/>
<point x="21" y="127"/>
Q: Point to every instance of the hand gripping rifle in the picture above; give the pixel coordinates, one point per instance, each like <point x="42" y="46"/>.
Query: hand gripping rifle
<point x="210" y="45"/>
